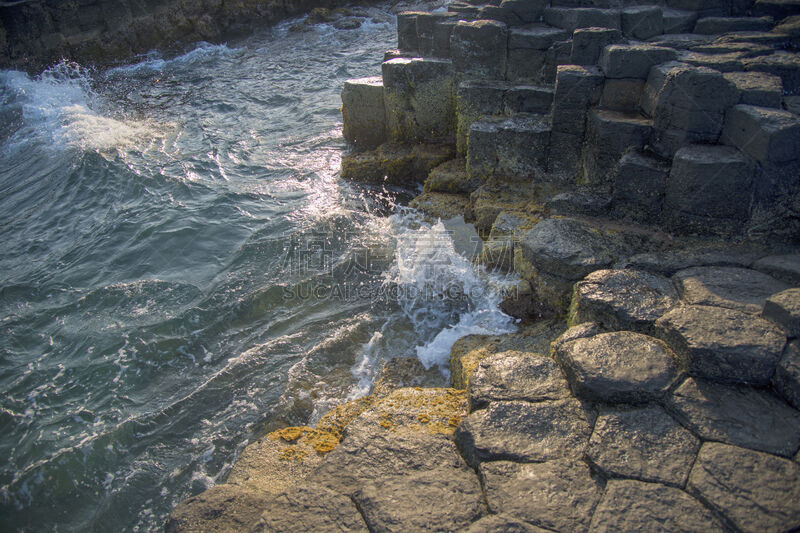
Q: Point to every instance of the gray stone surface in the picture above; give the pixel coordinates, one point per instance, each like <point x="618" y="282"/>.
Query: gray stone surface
<point x="722" y="344"/>
<point x="618" y="367"/>
<point x="582" y="17"/>
<point x="629" y="505"/>
<point x="576" y="89"/>
<point x="633" y="60"/>
<point x="700" y="175"/>
<point x="220" y="509"/>
<point x="756" y="491"/>
<point x="678" y="21"/>
<point x="479" y="48"/>
<point x="622" y="299"/>
<point x="435" y="500"/>
<point x="622" y="94"/>
<point x="557" y="495"/>
<point x="757" y="88"/>
<point x="363" y="115"/>
<point x="522" y="431"/>
<point x="578" y="202"/>
<point x="407" y="30"/>
<point x="667" y="263"/>
<point x="730" y="287"/>
<point x="440" y="204"/>
<point x="528" y="99"/>
<point x="516" y="375"/>
<point x="737" y="415"/>
<point x="717" y="25"/>
<point x="514" y="147"/>
<point x="783" y="267"/>
<point x="580" y="331"/>
<point x="782" y="63"/>
<point x="527" y="51"/>
<point x="476" y="99"/>
<point x="502" y="522"/>
<point x="309" y="507"/>
<point x="588" y="44"/>
<point x="787" y="376"/>
<point x="451" y="177"/>
<point x="638" y="187"/>
<point x="645" y="444"/>
<point x="427" y="25"/>
<point x="642" y="22"/>
<point x="767" y="135"/>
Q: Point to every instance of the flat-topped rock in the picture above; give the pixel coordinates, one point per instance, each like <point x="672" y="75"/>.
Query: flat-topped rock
<point x="451" y="177"/>
<point x="737" y="415"/>
<point x="225" y="508"/>
<point x="557" y="495"/>
<point x="525" y="432"/>
<point x="757" y="88"/>
<point x="436" y="500"/>
<point x="508" y="147"/>
<point x="782" y="63"/>
<point x="765" y="134"/>
<point x="633" y="60"/>
<point x="783" y="309"/>
<point x="479" y="48"/>
<point x="516" y="375"/>
<point x="630" y="505"/>
<point x="718" y="25"/>
<point x="787" y="376"/>
<point x="754" y="490"/>
<point x="639" y="181"/>
<point x="734" y="288"/>
<point x="588" y="44"/>
<point x="535" y="36"/>
<point x="363" y="116"/>
<point x="503" y="522"/>
<point x="618" y="367"/>
<point x="642" y="22"/>
<point x="310" y="507"/>
<point x="667" y="263"/>
<point x="609" y="134"/>
<point x="645" y="444"/>
<point x="783" y="267"/>
<point x="722" y="344"/>
<point x="622" y="299"/>
<point x="582" y="17"/>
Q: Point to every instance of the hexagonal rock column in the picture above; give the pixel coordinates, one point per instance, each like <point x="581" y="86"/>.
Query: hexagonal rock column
<point x="787" y="376"/>
<point x="642" y="22"/>
<point x="407" y="31"/>
<point x="557" y="495"/>
<point x="527" y="51"/>
<point x="756" y="491"/>
<point x="522" y="431"/>
<point x="508" y="147"/>
<point x="722" y="344"/>
<point x="433" y="35"/>
<point x="363" y="113"/>
<point x="638" y="187"/>
<point x="419" y="99"/>
<point x="758" y="88"/>
<point x="629" y="505"/>
<point x="645" y="444"/>
<point x="479" y="49"/>
<point x="622" y="299"/>
<point x="767" y="135"/>
<point x="741" y="289"/>
<point x="737" y="415"/>
<point x="588" y="44"/>
<point x="633" y="60"/>
<point x="701" y="177"/>
<point x="572" y="18"/>
<point x="618" y="367"/>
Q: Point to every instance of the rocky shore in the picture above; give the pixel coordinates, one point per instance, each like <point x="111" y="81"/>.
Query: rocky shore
<point x="639" y="167"/>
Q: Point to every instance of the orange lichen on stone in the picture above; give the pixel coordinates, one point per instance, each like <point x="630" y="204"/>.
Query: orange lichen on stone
<point x="289" y="434"/>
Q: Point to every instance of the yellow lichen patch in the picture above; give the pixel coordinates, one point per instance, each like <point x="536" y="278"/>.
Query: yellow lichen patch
<point x="323" y="441"/>
<point x="339" y="417"/>
<point x="289" y="434"/>
<point x="424" y="418"/>
<point x="293" y="453"/>
<point x="416" y="409"/>
<point x="454" y="421"/>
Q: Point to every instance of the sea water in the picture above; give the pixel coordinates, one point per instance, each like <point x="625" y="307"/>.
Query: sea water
<point x="183" y="269"/>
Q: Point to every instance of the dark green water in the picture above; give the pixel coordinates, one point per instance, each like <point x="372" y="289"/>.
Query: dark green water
<point x="181" y="266"/>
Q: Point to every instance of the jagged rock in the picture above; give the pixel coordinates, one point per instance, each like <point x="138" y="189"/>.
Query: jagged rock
<point x="525" y="432"/>
<point x="738" y="415"/>
<point x="783" y="267"/>
<point x="618" y="367"/>
<point x="363" y="117"/>
<point x="309" y="507"/>
<point x="479" y="48"/>
<point x="436" y="500"/>
<point x="783" y="64"/>
<point x="638" y="187"/>
<point x="571" y="19"/>
<point x="515" y="375"/>
<point x="440" y="205"/>
<point x="557" y="495"/>
<point x="451" y="177"/>
<point x="718" y="25"/>
<point x="757" y="88"/>
<point x="622" y="94"/>
<point x="399" y="164"/>
<point x="622" y="299"/>
<point x="488" y="201"/>
<point x="633" y="60"/>
<point x="502" y="522"/>
<point x="219" y="509"/>
<point x="767" y="135"/>
<point x="629" y="505"/>
<point x="508" y="147"/>
<point x="527" y="48"/>
<point x="645" y="444"/>
<point x="588" y="44"/>
<point x="642" y="22"/>
<point x="722" y="344"/>
<point x="741" y="289"/>
<point x="756" y="491"/>
<point x="417" y="95"/>
<point x="700" y="175"/>
<point x="787" y="375"/>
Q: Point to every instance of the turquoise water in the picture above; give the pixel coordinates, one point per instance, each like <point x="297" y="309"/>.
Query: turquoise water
<point x="183" y="269"/>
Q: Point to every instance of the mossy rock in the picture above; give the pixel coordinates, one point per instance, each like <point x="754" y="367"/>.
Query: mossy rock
<point x="395" y="163"/>
<point x="451" y="177"/>
<point x="440" y="205"/>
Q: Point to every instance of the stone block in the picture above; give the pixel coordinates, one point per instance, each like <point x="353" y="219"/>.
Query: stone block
<point x="618" y="367"/>
<point x="728" y="62"/>
<point x="440" y="205"/>
<point x="451" y="177"/>
<point x="492" y="199"/>
<point x="363" y="114"/>
<point x="786" y="380"/>
<point x="705" y="8"/>
<point x="642" y="22"/>
<point x="418" y="99"/>
<point x="783" y="267"/>
<point x="228" y="507"/>
<point x="576" y="89"/>
<point x="622" y="94"/>
<point x="765" y="134"/>
<point x="476" y="100"/>
<point x="588" y="44"/>
<point x="528" y="99"/>
<point x="578" y="202"/>
<point x="783" y="64"/>
<point x="633" y="60"/>
<point x="524" y="11"/>
<point x="501" y="522"/>
<point x="525" y="432"/>
<point x="754" y="490"/>
<point x="677" y="21"/>
<point x="514" y="147"/>
<point x="407" y="30"/>
<point x="741" y="416"/>
<point x="730" y="287"/>
<point x="645" y="444"/>
<point x="757" y="88"/>
<point x="556" y="55"/>
<point x="656" y="80"/>
<point x="442" y="33"/>
<point x="479" y="49"/>
<point x="571" y="19"/>
<point x="638" y="188"/>
<point x="394" y="163"/>
<point x="427" y="24"/>
<point x="719" y="25"/>
<point x="622" y="300"/>
<point x="701" y="177"/>
<point x="535" y="37"/>
<point x="564" y="157"/>
<point x="722" y="344"/>
<point x="783" y="309"/>
<point x="609" y="134"/>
